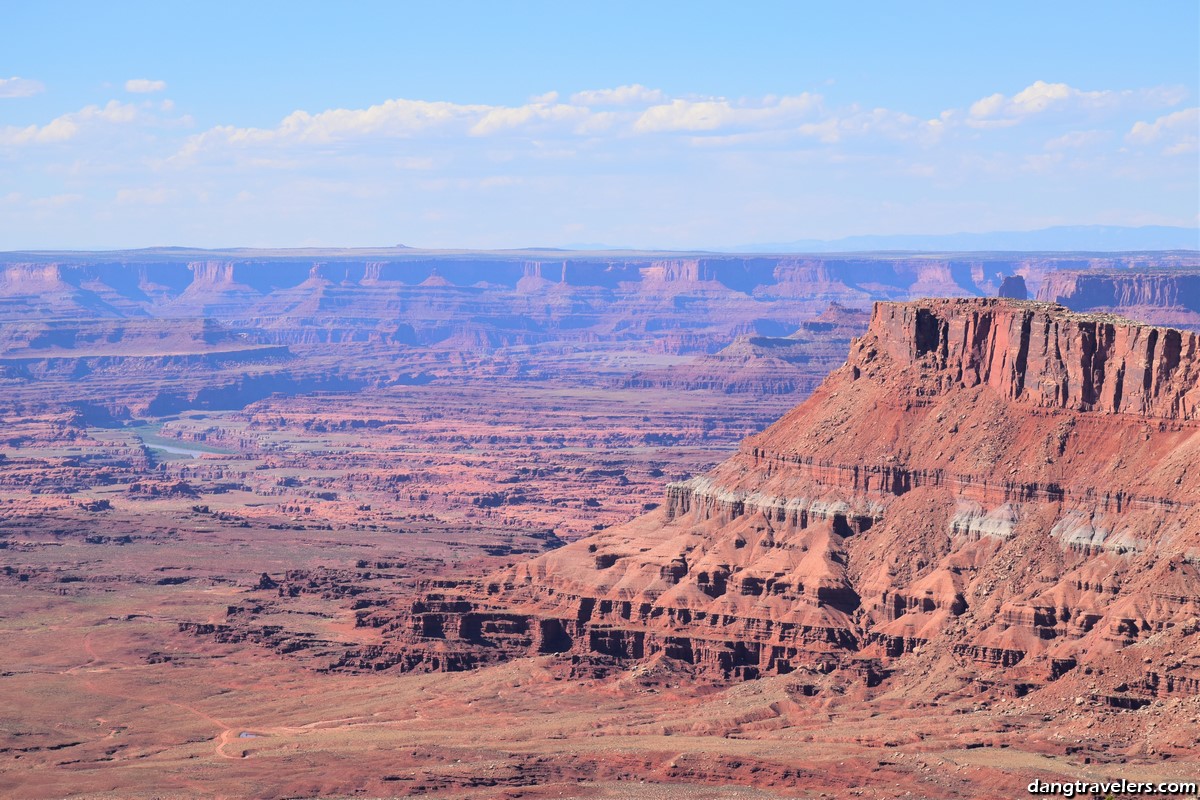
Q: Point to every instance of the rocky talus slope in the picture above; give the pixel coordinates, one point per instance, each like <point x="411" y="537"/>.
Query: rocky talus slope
<point x="1002" y="491"/>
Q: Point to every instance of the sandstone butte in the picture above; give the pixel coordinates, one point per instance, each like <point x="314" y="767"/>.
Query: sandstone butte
<point x="999" y="491"/>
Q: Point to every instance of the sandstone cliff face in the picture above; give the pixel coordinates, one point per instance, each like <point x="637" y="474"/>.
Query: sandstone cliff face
<point x="532" y="280"/>
<point x="670" y="277"/>
<point x="1039" y="355"/>
<point x="30" y="278"/>
<point x="211" y="272"/>
<point x="1109" y="288"/>
<point x="970" y="491"/>
<point x="1169" y="297"/>
<point x="613" y="295"/>
<point x="38" y="291"/>
<point x="213" y="292"/>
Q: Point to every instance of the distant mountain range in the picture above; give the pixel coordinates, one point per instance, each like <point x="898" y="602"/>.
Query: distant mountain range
<point x="1102" y="238"/>
<point x="1060" y="239"/>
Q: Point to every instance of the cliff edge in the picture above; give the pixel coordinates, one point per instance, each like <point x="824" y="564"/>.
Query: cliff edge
<point x="1041" y="354"/>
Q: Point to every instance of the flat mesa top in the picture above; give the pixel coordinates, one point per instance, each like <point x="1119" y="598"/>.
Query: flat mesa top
<point x="967" y="304"/>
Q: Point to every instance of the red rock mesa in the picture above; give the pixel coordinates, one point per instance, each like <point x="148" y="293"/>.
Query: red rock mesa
<point x="1005" y="489"/>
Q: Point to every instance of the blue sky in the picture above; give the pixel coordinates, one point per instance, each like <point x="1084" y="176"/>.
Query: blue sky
<point x="651" y="125"/>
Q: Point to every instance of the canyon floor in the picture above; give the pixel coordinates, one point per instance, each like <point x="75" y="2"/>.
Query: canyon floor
<point x="120" y="541"/>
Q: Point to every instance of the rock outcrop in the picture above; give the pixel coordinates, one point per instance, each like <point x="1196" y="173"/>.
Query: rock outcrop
<point x="214" y="292"/>
<point x="1003" y="490"/>
<point x="1013" y="286"/>
<point x="1040" y="355"/>
<point x="39" y="291"/>
<point x="1164" y="297"/>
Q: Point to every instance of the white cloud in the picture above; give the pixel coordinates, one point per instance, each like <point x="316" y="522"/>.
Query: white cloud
<point x="68" y="126"/>
<point x="611" y="114"/>
<point x="1077" y="140"/>
<point x="615" y="113"/>
<point x="686" y="115"/>
<point x="144" y="86"/>
<point x="400" y="118"/>
<point x="634" y="94"/>
<point x="391" y="119"/>
<point x="998" y="110"/>
<point x="499" y="119"/>
<point x="718" y="113"/>
<point x="691" y="166"/>
<point x="596" y="136"/>
<point x="20" y="87"/>
<point x="1179" y="132"/>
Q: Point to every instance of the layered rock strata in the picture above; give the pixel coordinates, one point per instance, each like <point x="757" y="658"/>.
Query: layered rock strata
<point x="1161" y="296"/>
<point x="1005" y="489"/>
